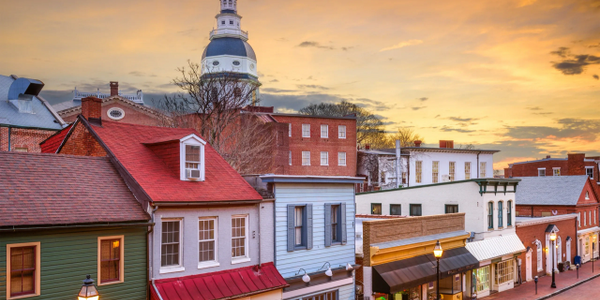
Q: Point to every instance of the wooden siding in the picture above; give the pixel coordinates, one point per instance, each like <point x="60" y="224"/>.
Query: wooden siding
<point x="68" y="255"/>
<point x="288" y="263"/>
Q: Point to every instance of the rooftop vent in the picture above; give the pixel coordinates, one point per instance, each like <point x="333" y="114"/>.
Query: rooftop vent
<point x="21" y="93"/>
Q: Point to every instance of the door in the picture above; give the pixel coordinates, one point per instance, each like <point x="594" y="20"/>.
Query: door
<point x="528" y="269"/>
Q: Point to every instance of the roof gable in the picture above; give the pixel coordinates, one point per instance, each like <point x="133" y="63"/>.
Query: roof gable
<point x="551" y="190"/>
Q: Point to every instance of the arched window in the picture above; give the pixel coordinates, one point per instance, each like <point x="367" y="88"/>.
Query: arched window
<point x="509" y="209"/>
<point x="491" y="215"/>
<point x="568" y="249"/>
<point x="500" y="214"/>
<point x="539" y="249"/>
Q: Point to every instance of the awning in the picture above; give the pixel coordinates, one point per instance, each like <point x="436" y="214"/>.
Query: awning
<point x="226" y="284"/>
<point x="495" y="247"/>
<point x="396" y="276"/>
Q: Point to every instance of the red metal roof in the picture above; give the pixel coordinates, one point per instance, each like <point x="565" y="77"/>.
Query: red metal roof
<point x="226" y="284"/>
<point x="155" y="173"/>
<point x="52" y="143"/>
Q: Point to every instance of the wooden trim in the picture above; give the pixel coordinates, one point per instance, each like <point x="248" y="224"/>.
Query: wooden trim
<point x="121" y="260"/>
<point x="38" y="266"/>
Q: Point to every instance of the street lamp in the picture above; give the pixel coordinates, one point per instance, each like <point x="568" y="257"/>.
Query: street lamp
<point x="593" y="251"/>
<point x="437" y="252"/>
<point x="88" y="290"/>
<point x="553" y="239"/>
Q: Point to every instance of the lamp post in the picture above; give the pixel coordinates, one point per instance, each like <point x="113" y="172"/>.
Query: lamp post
<point x="553" y="239"/>
<point x="437" y="252"/>
<point x="88" y="290"/>
<point x="593" y="251"/>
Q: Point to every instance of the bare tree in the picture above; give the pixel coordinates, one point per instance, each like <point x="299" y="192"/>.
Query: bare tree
<point x="407" y="137"/>
<point x="212" y="102"/>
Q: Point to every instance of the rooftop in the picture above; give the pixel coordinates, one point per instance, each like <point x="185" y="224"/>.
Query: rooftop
<point x="551" y="190"/>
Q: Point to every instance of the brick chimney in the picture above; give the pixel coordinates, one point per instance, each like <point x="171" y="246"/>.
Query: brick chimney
<point x="575" y="164"/>
<point x="417" y="143"/>
<point x="91" y="109"/>
<point x="449" y="144"/>
<point x="114" y="88"/>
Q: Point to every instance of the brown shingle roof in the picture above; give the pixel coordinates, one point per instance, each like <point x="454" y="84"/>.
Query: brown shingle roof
<point x="51" y="189"/>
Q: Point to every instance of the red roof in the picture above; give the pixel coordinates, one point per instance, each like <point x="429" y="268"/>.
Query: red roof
<point x="49" y="189"/>
<point x="226" y="284"/>
<point x="52" y="143"/>
<point x="129" y="144"/>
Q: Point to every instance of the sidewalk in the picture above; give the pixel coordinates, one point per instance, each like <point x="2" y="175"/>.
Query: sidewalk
<point x="564" y="281"/>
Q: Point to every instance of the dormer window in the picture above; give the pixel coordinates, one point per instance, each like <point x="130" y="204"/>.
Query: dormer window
<point x="192" y="158"/>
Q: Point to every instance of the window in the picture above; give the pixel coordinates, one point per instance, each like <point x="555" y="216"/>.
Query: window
<point x="375" y="208"/>
<point x="504" y="271"/>
<point x="418" y="167"/>
<point x="192" y="158"/>
<point x="170" y="245"/>
<point x="299" y="224"/>
<point x="500" y="215"/>
<point x="306" y="130"/>
<point x="230" y="22"/>
<point x="539" y="249"/>
<point x="451" y="170"/>
<point x="590" y="216"/>
<point x="483" y="279"/>
<point x="451" y="208"/>
<point x="332" y="295"/>
<point x="222" y="22"/>
<point x="594" y="216"/>
<point x="20" y="149"/>
<point x="491" y="215"/>
<point x="509" y="209"/>
<point x="579" y="219"/>
<point x="415" y="209"/>
<point x="290" y="129"/>
<point x="306" y="158"/>
<point x="584" y="219"/>
<point x="290" y="159"/>
<point x="555" y="171"/>
<point x="467" y="170"/>
<point x="335" y="224"/>
<point x="590" y="172"/>
<point x="207" y="241"/>
<point x="110" y="259"/>
<point x="482" y="166"/>
<point x="324" y="131"/>
<point x="341" y="131"/>
<point x="404" y="174"/>
<point x="239" y="237"/>
<point x="324" y="158"/>
<point x="435" y="174"/>
<point x="341" y="158"/>
<point x="23" y="276"/>
<point x="541" y="172"/>
<point x="587" y="195"/>
<point x="395" y="209"/>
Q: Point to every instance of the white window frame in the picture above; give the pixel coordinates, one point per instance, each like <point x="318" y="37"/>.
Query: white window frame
<point x="38" y="267"/>
<point x="452" y="170"/>
<point x="324" y="158"/>
<point x="539" y="259"/>
<point x="586" y="171"/>
<point x="121" y="259"/>
<point x="418" y="171"/>
<point x="305" y="130"/>
<point x="342" y="159"/>
<point x="579" y="219"/>
<point x="192" y="140"/>
<point x="540" y="172"/>
<point x="214" y="262"/>
<point x="290" y="130"/>
<point x="306" y="158"/>
<point x="467" y="170"/>
<point x="482" y="171"/>
<point x="246" y="256"/>
<point x="435" y="172"/>
<point x="342" y="132"/>
<point x="172" y="268"/>
<point x="290" y="158"/>
<point x="508" y="268"/>
<point x="554" y="171"/>
<point x="324" y="131"/>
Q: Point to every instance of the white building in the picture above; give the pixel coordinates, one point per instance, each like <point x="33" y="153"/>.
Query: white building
<point x="489" y="207"/>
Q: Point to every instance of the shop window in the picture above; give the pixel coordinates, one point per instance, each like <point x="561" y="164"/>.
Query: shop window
<point x="504" y="271"/>
<point x="483" y="279"/>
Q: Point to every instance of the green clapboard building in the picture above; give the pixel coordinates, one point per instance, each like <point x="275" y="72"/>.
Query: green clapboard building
<point x="63" y="217"/>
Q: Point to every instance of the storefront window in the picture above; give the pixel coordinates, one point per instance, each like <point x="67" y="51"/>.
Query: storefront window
<point x="431" y="290"/>
<point x="504" y="271"/>
<point x="412" y="293"/>
<point x="483" y="279"/>
<point x="587" y="245"/>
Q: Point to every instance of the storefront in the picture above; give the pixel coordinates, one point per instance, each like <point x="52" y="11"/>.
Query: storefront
<point x="588" y="243"/>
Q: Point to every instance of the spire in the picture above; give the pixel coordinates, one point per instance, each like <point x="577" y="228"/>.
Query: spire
<point x="228" y="6"/>
<point x="228" y="22"/>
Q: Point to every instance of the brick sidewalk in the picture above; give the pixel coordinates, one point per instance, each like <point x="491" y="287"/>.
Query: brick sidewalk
<point x="526" y="291"/>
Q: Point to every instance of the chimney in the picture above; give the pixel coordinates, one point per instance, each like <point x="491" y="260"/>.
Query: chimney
<point x="114" y="88"/>
<point x="449" y="144"/>
<point x="417" y="143"/>
<point x="91" y="109"/>
<point x="575" y="164"/>
<point x="548" y="156"/>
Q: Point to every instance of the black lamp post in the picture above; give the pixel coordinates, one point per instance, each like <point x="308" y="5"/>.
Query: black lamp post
<point x="437" y="252"/>
<point x="593" y="251"/>
<point x="553" y="242"/>
<point x="88" y="290"/>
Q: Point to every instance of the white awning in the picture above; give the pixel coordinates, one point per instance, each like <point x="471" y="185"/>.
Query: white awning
<point x="588" y="230"/>
<point x="496" y="247"/>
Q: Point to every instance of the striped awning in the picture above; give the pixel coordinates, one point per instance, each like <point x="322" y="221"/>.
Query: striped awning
<point x="496" y="247"/>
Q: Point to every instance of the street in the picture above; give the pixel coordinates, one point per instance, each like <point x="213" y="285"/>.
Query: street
<point x="588" y="290"/>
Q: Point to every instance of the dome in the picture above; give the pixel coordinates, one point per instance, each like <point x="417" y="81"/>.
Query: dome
<point x="229" y="46"/>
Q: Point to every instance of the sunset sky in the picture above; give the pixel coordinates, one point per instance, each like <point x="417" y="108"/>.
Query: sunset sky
<point x="518" y="76"/>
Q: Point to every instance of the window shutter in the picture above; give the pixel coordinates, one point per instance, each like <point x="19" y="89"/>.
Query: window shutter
<point x="290" y="227"/>
<point x="327" y="225"/>
<point x="343" y="223"/>
<point x="309" y="226"/>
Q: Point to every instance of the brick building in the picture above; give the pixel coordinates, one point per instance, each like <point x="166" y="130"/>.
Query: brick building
<point x="535" y="235"/>
<point x="26" y="118"/>
<point x="574" y="164"/>
<point x="563" y="195"/>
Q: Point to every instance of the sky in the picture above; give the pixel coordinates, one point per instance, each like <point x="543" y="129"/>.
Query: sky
<point x="518" y="76"/>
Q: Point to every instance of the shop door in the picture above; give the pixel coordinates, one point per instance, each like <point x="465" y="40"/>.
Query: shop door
<point x="528" y="269"/>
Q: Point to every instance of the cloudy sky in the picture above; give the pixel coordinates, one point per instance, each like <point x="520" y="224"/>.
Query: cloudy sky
<point x="520" y="76"/>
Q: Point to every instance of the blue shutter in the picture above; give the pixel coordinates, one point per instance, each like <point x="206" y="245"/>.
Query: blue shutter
<point x="309" y="226"/>
<point x="327" y="225"/>
<point x="290" y="227"/>
<point x="343" y="223"/>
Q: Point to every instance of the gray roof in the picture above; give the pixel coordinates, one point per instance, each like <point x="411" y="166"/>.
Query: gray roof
<point x="42" y="115"/>
<point x="229" y="46"/>
<point x="550" y="190"/>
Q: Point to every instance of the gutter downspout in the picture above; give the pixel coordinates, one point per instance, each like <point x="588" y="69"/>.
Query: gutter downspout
<point x="9" y="137"/>
<point x="150" y="255"/>
<point x="259" y="235"/>
<point x="156" y="290"/>
<point x="398" y="179"/>
<point x="478" y="164"/>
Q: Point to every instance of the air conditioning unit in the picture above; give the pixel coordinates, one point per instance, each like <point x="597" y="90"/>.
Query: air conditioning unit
<point x="445" y="178"/>
<point x="192" y="174"/>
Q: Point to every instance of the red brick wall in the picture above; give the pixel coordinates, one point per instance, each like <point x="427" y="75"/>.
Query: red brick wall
<point x="574" y="165"/>
<point x="529" y="234"/>
<point x="81" y="142"/>
<point x="91" y="107"/>
<point x="29" y="139"/>
<point x="526" y="210"/>
<point x="169" y="153"/>
<point x="315" y="144"/>
<point x="132" y="115"/>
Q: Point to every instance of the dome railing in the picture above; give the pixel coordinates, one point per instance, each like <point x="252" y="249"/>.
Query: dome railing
<point x="228" y="31"/>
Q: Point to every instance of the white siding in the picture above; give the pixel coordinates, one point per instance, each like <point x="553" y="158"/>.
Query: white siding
<point x="445" y="158"/>
<point x="288" y="263"/>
